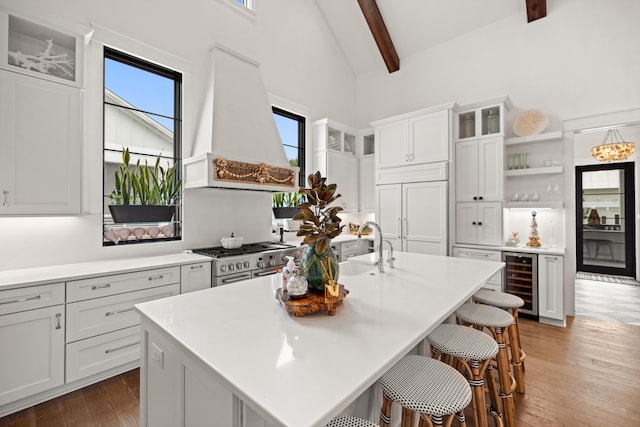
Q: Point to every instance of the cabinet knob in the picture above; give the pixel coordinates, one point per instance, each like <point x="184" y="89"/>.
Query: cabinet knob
<point x="479" y="223"/>
<point x="480" y="198"/>
<point x="474" y="223"/>
<point x="475" y="198"/>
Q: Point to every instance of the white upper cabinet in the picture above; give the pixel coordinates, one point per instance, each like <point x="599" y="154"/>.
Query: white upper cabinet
<point x="479" y="223"/>
<point x="480" y="170"/>
<point x="421" y="137"/>
<point x="40" y="154"/>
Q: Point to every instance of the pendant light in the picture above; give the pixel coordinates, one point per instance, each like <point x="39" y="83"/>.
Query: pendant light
<point x="613" y="147"/>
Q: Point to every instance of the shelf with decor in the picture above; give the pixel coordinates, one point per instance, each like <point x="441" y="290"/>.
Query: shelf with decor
<point x="541" y="204"/>
<point x="541" y="137"/>
<point x="534" y="171"/>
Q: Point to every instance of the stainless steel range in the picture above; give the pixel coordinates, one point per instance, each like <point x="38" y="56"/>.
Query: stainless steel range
<point x="248" y="261"/>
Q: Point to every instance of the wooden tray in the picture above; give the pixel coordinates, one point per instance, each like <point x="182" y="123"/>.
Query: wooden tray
<point x="312" y="303"/>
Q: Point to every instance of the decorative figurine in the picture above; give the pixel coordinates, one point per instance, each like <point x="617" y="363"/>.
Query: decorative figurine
<point x="514" y="240"/>
<point x="534" y="239"/>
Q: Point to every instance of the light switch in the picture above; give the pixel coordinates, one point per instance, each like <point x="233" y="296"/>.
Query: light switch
<point x="157" y="355"/>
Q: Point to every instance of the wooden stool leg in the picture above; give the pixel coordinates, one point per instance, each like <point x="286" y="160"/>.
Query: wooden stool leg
<point x="385" y="411"/>
<point x="462" y="420"/>
<point x="407" y="418"/>
<point x="516" y="337"/>
<point x="504" y="374"/>
<point x="476" y="381"/>
<point x="515" y="358"/>
<point x="425" y="421"/>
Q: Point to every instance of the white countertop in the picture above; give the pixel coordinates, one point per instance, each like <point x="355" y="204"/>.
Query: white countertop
<point x="60" y="273"/>
<point x="522" y="247"/>
<point x="302" y="371"/>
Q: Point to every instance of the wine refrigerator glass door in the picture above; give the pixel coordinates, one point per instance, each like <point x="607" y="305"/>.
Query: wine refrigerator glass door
<point x="605" y="230"/>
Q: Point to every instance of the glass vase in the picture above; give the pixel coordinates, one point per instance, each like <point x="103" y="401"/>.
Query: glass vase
<point x="313" y="270"/>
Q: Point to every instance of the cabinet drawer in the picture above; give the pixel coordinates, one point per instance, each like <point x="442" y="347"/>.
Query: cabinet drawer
<point x="79" y="290"/>
<point x="101" y="315"/>
<point x="482" y="254"/>
<point x="352" y="246"/>
<point x="94" y="355"/>
<point x="29" y="298"/>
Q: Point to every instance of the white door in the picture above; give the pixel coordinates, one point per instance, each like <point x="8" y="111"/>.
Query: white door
<point x="343" y="170"/>
<point x="466" y="171"/>
<point x="31" y="352"/>
<point x="195" y="277"/>
<point x="429" y="138"/>
<point x="550" y="288"/>
<point x="425" y="217"/>
<point x="40" y="153"/>
<point x="489" y="223"/>
<point x="490" y="169"/>
<point x="367" y="184"/>
<point x="389" y="213"/>
<point x="466" y="222"/>
<point x="391" y="141"/>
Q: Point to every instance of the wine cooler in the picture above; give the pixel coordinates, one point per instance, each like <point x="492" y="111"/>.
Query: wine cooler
<point x="521" y="279"/>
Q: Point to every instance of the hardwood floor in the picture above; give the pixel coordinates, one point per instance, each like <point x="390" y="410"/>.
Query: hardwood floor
<point x="587" y="374"/>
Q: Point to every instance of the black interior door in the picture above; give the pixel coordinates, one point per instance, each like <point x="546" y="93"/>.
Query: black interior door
<point x="605" y="227"/>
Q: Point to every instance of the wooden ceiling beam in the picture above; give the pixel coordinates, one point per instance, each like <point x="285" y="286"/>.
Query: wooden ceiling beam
<point x="536" y="9"/>
<point x="380" y="34"/>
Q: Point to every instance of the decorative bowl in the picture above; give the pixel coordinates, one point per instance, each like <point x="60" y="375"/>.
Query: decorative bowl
<point x="231" y="242"/>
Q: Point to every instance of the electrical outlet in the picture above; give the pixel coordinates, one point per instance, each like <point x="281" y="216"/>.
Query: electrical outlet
<point x="157" y="355"/>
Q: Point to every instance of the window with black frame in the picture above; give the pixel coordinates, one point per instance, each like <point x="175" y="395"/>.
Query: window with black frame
<point x="142" y="128"/>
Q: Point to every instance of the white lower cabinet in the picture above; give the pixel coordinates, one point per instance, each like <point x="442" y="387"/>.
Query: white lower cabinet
<point x="479" y="223"/>
<point x="550" y="287"/>
<point x="495" y="282"/>
<point x="194" y="277"/>
<point x="31" y="341"/>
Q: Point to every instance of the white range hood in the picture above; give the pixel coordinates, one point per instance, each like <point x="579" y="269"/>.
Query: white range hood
<point x="237" y="144"/>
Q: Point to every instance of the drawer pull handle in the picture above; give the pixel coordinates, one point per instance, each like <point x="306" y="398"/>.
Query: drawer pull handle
<point x="105" y="286"/>
<point x="477" y="255"/>
<point x="111" y="350"/>
<point x="159" y="277"/>
<point x="196" y="267"/>
<point x="58" y="316"/>
<point x="35" y="297"/>
<point x="5" y="199"/>
<point x="113" y="313"/>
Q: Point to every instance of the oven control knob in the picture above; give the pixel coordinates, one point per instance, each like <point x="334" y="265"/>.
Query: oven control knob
<point x="260" y="264"/>
<point x="232" y="267"/>
<point x="223" y="268"/>
<point x="239" y="265"/>
<point x="272" y="263"/>
<point x="246" y="264"/>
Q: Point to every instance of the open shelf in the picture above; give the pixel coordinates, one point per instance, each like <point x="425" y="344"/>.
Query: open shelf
<point x="542" y="137"/>
<point x="534" y="171"/>
<point x="540" y="204"/>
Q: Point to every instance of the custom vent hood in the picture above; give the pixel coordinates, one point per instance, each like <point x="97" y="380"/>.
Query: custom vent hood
<point x="237" y="144"/>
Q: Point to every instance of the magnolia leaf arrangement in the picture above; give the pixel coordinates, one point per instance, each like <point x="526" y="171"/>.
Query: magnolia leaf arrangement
<point x="144" y="185"/>
<point x="320" y="222"/>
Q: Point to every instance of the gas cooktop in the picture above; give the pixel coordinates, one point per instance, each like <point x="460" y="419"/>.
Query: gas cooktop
<point x="251" y="248"/>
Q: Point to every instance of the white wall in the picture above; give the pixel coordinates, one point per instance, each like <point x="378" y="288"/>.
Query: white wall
<point x="580" y="60"/>
<point x="281" y="38"/>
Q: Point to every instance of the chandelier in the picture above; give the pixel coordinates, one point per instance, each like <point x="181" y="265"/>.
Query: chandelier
<point x="613" y="147"/>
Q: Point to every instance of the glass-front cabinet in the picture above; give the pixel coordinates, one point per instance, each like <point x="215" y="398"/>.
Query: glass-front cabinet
<point x="475" y="121"/>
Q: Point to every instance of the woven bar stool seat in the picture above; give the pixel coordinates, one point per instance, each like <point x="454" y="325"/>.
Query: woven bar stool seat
<point x="427" y="386"/>
<point x="350" y="422"/>
<point x="473" y="350"/>
<point x="511" y="303"/>
<point x="498" y="322"/>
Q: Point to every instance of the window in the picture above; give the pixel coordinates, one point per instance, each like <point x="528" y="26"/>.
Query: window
<point x="142" y="116"/>
<point x="292" y="133"/>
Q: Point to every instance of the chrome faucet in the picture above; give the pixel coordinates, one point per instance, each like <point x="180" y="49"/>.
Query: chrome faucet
<point x="379" y="262"/>
<point x="391" y="258"/>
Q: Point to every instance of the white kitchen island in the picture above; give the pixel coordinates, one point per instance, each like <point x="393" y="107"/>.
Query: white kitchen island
<point x="232" y="357"/>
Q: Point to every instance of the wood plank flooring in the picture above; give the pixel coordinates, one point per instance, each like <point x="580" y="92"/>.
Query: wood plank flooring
<point x="587" y="374"/>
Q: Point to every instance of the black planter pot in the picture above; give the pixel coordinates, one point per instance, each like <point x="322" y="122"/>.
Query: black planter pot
<point x="141" y="213"/>
<point x="286" y="212"/>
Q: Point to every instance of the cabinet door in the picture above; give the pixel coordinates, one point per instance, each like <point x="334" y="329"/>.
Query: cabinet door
<point x="489" y="223"/>
<point x="367" y="184"/>
<point x="466" y="171"/>
<point x="391" y="141"/>
<point x="550" y="287"/>
<point x="389" y="213"/>
<point x="425" y="217"/>
<point x="429" y="138"/>
<point x="195" y="277"/>
<point x="490" y="169"/>
<point x="342" y="169"/>
<point x="40" y="154"/>
<point x="32" y="352"/>
<point x="466" y="223"/>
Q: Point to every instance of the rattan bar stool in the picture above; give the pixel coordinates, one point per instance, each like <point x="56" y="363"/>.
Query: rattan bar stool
<point x="473" y="350"/>
<point x="511" y="303"/>
<point x="433" y="389"/>
<point x="350" y="422"/>
<point x="498" y="322"/>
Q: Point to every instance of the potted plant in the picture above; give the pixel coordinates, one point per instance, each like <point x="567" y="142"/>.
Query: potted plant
<point x="320" y="224"/>
<point x="285" y="205"/>
<point x="144" y="194"/>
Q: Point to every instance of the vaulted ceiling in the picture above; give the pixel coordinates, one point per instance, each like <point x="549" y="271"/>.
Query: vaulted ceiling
<point x="413" y="25"/>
